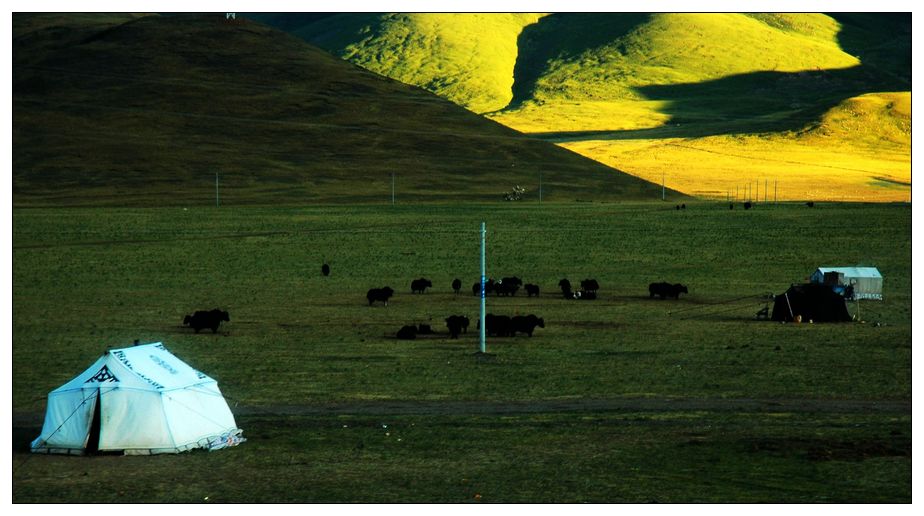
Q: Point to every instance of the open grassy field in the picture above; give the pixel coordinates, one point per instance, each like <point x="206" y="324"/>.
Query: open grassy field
<point x="620" y="399"/>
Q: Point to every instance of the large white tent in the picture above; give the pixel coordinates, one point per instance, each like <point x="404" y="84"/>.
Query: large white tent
<point x="138" y="400"/>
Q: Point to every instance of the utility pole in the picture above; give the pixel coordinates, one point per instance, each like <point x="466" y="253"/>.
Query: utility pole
<point x="484" y="323"/>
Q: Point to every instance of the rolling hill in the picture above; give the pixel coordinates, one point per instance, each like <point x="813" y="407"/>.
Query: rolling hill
<point x="150" y="110"/>
<point x="608" y="85"/>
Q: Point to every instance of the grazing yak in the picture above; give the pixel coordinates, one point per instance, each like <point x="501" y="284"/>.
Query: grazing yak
<point x="407" y="333"/>
<point x="456" y="285"/>
<point x="531" y="290"/>
<point x="526" y="324"/>
<point x="488" y="287"/>
<point x="584" y="295"/>
<point x="419" y="285"/>
<point x="206" y="319"/>
<point x="457" y="324"/>
<point x="325" y="269"/>
<point x="379" y="294"/>
<point x="665" y="290"/>
<point x="565" y="287"/>
<point x="498" y="325"/>
<point x="590" y="285"/>
<point x="747" y="205"/>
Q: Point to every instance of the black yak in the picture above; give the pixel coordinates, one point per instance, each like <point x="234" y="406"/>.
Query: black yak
<point x="456" y="285"/>
<point x="584" y="295"/>
<point x="526" y="324"/>
<point x="206" y="319"/>
<point x="488" y="287"/>
<point x="565" y="287"/>
<point x="419" y="285"/>
<point x="498" y="325"/>
<point x="665" y="290"/>
<point x="379" y="294"/>
<point x="531" y="290"/>
<point x="407" y="333"/>
<point x="590" y="285"/>
<point x="456" y="324"/>
<point x="325" y="269"/>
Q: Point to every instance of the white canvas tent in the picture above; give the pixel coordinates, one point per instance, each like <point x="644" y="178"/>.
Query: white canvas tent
<point x="866" y="281"/>
<point x="139" y="400"/>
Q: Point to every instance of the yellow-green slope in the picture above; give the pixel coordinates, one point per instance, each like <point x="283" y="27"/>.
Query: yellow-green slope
<point x="609" y="84"/>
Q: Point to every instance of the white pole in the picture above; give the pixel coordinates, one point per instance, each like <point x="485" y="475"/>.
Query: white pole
<point x="483" y="280"/>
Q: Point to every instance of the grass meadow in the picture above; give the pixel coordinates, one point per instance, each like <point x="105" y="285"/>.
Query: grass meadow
<point x="622" y="399"/>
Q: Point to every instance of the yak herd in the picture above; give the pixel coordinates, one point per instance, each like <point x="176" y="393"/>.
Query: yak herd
<point x="502" y="325"/>
<point x="497" y="325"/>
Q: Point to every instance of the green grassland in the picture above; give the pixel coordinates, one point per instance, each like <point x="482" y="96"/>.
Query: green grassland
<point x="620" y="399"/>
<point x="593" y="81"/>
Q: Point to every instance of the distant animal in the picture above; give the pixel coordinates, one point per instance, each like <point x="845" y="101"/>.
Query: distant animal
<point x="677" y="207"/>
<point x="456" y="324"/>
<point x="590" y="285"/>
<point x="508" y="286"/>
<point x="683" y="206"/>
<point x="419" y="285"/>
<point x="206" y="319"/>
<point x="665" y="290"/>
<point x="325" y="269"/>
<point x="810" y="204"/>
<point x="565" y="287"/>
<point x="504" y="288"/>
<point x="747" y="205"/>
<point x="512" y="280"/>
<point x="531" y="290"/>
<point x="488" y="287"/>
<point x="731" y="206"/>
<point x="424" y="329"/>
<point x="526" y="324"/>
<point x="407" y="333"/>
<point x="379" y="294"/>
<point x="456" y="285"/>
<point x="498" y="325"/>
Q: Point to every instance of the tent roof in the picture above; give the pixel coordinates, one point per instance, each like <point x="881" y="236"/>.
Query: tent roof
<point x="854" y="272"/>
<point x="146" y="367"/>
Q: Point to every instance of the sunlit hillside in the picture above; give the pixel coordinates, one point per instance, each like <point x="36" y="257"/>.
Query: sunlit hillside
<point x="614" y="87"/>
<point x="466" y="58"/>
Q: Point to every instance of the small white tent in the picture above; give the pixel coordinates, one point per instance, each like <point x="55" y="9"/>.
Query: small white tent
<point x="866" y="281"/>
<point x="139" y="400"/>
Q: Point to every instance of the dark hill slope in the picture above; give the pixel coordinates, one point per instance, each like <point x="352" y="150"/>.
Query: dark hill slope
<point x="123" y="110"/>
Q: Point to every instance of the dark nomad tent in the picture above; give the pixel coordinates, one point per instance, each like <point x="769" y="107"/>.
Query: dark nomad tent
<point x="815" y="302"/>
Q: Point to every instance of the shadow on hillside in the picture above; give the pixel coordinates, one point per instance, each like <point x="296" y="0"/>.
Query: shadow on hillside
<point x="564" y="36"/>
<point x="779" y="101"/>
